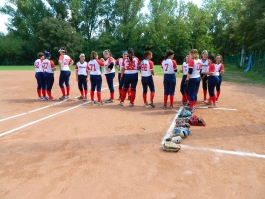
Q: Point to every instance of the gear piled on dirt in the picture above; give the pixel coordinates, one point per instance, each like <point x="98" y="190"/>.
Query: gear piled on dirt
<point x="180" y="131"/>
<point x="196" y="120"/>
<point x="177" y="139"/>
<point x="185" y="113"/>
<point x="183" y="122"/>
<point x="171" y="146"/>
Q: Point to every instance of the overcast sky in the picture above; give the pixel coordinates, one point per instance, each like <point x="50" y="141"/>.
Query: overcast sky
<point x="4" y="18"/>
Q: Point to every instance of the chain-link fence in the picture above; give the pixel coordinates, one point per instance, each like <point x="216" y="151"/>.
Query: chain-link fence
<point x="250" y="62"/>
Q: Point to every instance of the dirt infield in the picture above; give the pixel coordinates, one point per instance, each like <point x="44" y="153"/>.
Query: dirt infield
<point x="75" y="150"/>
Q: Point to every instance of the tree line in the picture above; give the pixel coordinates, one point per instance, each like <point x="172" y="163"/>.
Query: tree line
<point x="223" y="26"/>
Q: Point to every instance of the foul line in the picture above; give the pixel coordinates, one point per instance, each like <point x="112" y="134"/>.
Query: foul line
<point x="170" y="129"/>
<point x="206" y="107"/>
<point x="238" y="153"/>
<point x="219" y="151"/>
<point x="38" y="109"/>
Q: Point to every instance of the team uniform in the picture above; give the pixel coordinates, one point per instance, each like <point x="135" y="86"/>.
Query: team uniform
<point x="221" y="68"/>
<point x="110" y="76"/>
<point x="147" y="79"/>
<point x="65" y="74"/>
<point x="183" y="86"/>
<point x="82" y="69"/>
<point x="48" y="67"/>
<point x="205" y="69"/>
<point x="95" y="78"/>
<point x="120" y="80"/>
<point x="169" y="67"/>
<point x="39" y="75"/>
<point x="213" y="81"/>
<point x="130" y="78"/>
<point x="194" y="71"/>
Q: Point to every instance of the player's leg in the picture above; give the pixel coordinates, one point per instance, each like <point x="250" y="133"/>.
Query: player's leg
<point x="80" y="86"/>
<point x="134" y="81"/>
<point x="85" y="88"/>
<point x="99" y="85"/>
<point x="93" y="84"/>
<point x="109" y="78"/>
<point x="204" y="87"/>
<point x="38" y="86"/>
<point x="172" y="89"/>
<point x="61" y="83"/>
<point x="218" y="88"/>
<point x="120" y="80"/>
<point x="166" y="84"/>
<point x="144" y="85"/>
<point x="192" y="90"/>
<point x="212" y="82"/>
<point x="152" y="90"/>
<point x="43" y="85"/>
<point x="182" y="89"/>
<point x="126" y="83"/>
<point x="67" y="83"/>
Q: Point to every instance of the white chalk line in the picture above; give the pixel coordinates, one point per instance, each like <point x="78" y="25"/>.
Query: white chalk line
<point x="217" y="108"/>
<point x="47" y="117"/>
<point x="38" y="109"/>
<point x="219" y="151"/>
<point x="170" y="129"/>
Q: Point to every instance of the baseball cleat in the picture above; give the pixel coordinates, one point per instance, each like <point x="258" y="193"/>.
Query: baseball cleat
<point x="62" y="98"/>
<point x="84" y="99"/>
<point x="131" y="105"/>
<point x="109" y="101"/>
<point x="67" y="96"/>
<point x="171" y="107"/>
<point x="145" y="104"/>
<point x="40" y="98"/>
<point x="152" y="104"/>
<point x="164" y="107"/>
<point x="80" y="97"/>
<point x="121" y="103"/>
<point x="100" y="103"/>
<point x="52" y="99"/>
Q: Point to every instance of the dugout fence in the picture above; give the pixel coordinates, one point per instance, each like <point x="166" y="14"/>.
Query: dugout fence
<point x="257" y="61"/>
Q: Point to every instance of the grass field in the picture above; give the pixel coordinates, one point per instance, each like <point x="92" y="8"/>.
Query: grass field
<point x="232" y="73"/>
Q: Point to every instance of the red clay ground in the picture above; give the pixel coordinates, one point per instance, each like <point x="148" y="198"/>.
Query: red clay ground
<point x="114" y="152"/>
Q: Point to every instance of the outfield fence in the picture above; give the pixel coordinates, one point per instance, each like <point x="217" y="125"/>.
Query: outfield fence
<point x="249" y="62"/>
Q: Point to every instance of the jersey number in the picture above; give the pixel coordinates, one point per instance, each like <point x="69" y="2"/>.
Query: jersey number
<point x="36" y="65"/>
<point x="144" y="67"/>
<point x="45" y="65"/>
<point x="166" y="65"/>
<point x="66" y="61"/>
<point x="93" y="67"/>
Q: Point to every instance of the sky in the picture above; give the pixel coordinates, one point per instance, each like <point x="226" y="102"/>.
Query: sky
<point x="4" y="18"/>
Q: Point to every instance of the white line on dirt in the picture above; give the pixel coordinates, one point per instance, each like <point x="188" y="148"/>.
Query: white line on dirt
<point x="170" y="129"/>
<point x="220" y="151"/>
<point x="206" y="107"/>
<point x="38" y="109"/>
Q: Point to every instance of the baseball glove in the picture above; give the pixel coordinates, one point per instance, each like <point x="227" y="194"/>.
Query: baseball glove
<point x="170" y="146"/>
<point x="185" y="113"/>
<point x="196" y="120"/>
<point x="180" y="131"/>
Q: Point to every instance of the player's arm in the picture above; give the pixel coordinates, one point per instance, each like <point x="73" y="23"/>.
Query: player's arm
<point x="111" y="64"/>
<point x="190" y="66"/>
<point x="117" y="64"/>
<point x="101" y="63"/>
<point x="76" y="72"/>
<point x="52" y="65"/>
<point x="175" y="66"/>
<point x="60" y="62"/>
<point x="211" y="70"/>
<point x="222" y="69"/>
<point x="152" y="67"/>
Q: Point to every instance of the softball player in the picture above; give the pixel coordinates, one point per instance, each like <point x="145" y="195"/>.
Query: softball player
<point x="49" y="68"/>
<point x="130" y="74"/>
<point x="183" y="86"/>
<point x="221" y="69"/>
<point x="95" y="76"/>
<point x="147" y="72"/>
<point x="213" y="80"/>
<point x="64" y="63"/>
<point x="109" y="71"/>
<point x="39" y="75"/>
<point x="193" y="77"/>
<point x="81" y="76"/>
<point x="169" y="67"/>
<point x="120" y="80"/>
<point x="205" y="67"/>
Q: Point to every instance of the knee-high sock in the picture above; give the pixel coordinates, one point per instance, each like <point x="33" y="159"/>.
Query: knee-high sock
<point x="82" y="93"/>
<point x="92" y="95"/>
<point x="123" y="94"/>
<point x="68" y="90"/>
<point x="152" y="95"/>
<point x="218" y="94"/>
<point x="144" y="98"/>
<point x="63" y="91"/>
<point x="49" y="93"/>
<point x="85" y="93"/>
<point x="133" y="94"/>
<point x="112" y="96"/>
<point x="165" y="100"/>
<point x="39" y="92"/>
<point x="99" y="96"/>
<point x="204" y="94"/>
<point x="43" y="93"/>
<point x="171" y="100"/>
<point x="129" y="91"/>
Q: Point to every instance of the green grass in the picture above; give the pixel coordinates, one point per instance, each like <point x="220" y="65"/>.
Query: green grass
<point x="235" y="74"/>
<point x="159" y="71"/>
<point x="17" y="67"/>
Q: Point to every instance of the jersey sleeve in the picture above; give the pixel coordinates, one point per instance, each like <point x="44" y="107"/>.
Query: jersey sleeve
<point x="100" y="62"/>
<point x="175" y="66"/>
<point x="76" y="67"/>
<point x="111" y="60"/>
<point x="211" y="68"/>
<point x="222" y="68"/>
<point x="191" y="63"/>
<point x="151" y="65"/>
<point x="117" y="62"/>
<point x="61" y="58"/>
<point x="87" y="67"/>
<point x="52" y="64"/>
